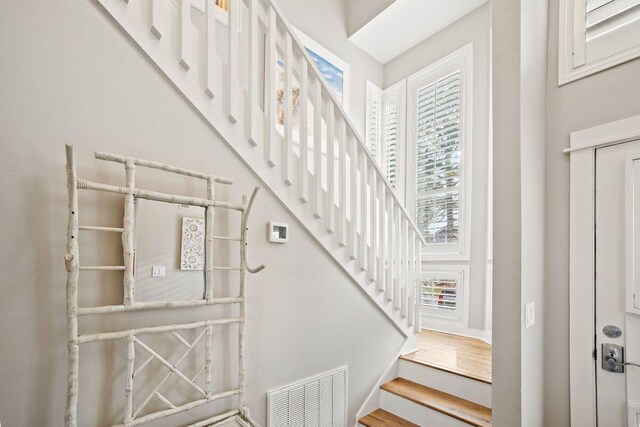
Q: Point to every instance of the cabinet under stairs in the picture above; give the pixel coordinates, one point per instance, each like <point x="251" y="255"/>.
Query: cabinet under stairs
<point x="446" y="383"/>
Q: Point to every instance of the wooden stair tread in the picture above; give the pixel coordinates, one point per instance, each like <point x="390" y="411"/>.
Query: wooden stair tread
<point x="382" y="418"/>
<point x="462" y="356"/>
<point x="463" y="410"/>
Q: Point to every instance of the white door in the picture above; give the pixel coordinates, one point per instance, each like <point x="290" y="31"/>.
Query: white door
<point x="617" y="214"/>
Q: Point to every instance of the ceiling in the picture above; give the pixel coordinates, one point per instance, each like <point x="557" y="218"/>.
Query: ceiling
<point x="405" y="23"/>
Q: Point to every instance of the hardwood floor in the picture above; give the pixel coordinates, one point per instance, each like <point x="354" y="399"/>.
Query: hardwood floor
<point x="468" y="357"/>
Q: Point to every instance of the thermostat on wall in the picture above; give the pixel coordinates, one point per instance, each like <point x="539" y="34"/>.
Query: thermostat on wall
<point x="278" y="232"/>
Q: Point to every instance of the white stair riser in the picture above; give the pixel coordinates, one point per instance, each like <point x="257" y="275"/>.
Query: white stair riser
<point x="415" y="412"/>
<point x="456" y="385"/>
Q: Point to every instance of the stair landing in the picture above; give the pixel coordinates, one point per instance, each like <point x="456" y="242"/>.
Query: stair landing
<point x="468" y="357"/>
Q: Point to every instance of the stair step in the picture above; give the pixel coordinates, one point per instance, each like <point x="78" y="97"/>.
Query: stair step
<point x="382" y="418"/>
<point x="457" y="385"/>
<point x="452" y="406"/>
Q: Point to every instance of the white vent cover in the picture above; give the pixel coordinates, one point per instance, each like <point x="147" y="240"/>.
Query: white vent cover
<point x="320" y="401"/>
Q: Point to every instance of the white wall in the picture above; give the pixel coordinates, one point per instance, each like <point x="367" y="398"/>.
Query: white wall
<point x="611" y="95"/>
<point x="69" y="75"/>
<point x="472" y="28"/>
<point x="326" y="23"/>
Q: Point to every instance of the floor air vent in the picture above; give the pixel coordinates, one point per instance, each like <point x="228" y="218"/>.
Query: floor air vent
<point x="320" y="401"/>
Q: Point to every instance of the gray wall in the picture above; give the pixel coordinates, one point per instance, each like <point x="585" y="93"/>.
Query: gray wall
<point x="325" y="22"/>
<point x="611" y="95"/>
<point x="361" y="12"/>
<point x="472" y="28"/>
<point x="69" y="75"/>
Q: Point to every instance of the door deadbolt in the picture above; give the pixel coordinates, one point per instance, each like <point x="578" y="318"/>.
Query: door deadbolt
<point x="613" y="358"/>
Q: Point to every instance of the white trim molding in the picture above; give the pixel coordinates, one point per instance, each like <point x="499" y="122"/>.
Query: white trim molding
<point x="583" y="145"/>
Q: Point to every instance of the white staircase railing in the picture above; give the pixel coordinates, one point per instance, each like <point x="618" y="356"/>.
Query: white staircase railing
<point x="336" y="190"/>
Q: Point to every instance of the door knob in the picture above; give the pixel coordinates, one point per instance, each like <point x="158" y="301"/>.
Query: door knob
<point x="613" y="358"/>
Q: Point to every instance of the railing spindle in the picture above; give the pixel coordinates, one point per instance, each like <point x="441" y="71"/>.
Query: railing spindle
<point x="270" y="89"/>
<point x="391" y="278"/>
<point x="317" y="149"/>
<point x="254" y="67"/>
<point x="382" y="238"/>
<point x="331" y="169"/>
<point x="157" y="18"/>
<point x="303" y="119"/>
<point x="362" y="254"/>
<point x="234" y="89"/>
<point x="397" y="248"/>
<point x="342" y="212"/>
<point x="210" y="49"/>
<point x="184" y="13"/>
<point x="353" y="189"/>
<point x="287" y="148"/>
<point x="373" y="225"/>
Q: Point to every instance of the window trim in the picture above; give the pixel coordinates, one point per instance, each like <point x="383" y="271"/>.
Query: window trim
<point x="570" y="10"/>
<point x="374" y="93"/>
<point x="461" y="59"/>
<point x="398" y="89"/>
<point x="460" y="321"/>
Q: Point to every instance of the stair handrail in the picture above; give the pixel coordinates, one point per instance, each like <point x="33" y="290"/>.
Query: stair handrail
<point x="345" y="116"/>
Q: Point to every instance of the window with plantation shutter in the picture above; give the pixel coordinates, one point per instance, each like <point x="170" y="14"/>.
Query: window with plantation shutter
<point x="439" y="150"/>
<point x="392" y="141"/>
<point x="374" y="121"/>
<point x="442" y="291"/>
<point x="438" y="160"/>
<point x="596" y="35"/>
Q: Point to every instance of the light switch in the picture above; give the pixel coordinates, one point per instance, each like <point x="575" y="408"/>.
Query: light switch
<point x="158" y="271"/>
<point x="529" y="314"/>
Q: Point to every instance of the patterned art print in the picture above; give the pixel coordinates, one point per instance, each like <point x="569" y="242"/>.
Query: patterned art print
<point x="192" y="253"/>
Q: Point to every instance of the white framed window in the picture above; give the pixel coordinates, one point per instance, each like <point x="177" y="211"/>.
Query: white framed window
<point x="443" y="294"/>
<point x="439" y="134"/>
<point x="386" y="130"/>
<point x="596" y="35"/>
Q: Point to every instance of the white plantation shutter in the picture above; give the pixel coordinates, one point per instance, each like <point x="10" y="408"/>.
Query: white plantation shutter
<point x="438" y="156"/>
<point x="392" y="141"/>
<point x="374" y="119"/>
<point x="610" y="26"/>
<point x="596" y="35"/>
<point x="442" y="290"/>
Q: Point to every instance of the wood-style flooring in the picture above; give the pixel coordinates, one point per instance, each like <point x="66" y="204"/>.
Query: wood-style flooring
<point x="468" y="357"/>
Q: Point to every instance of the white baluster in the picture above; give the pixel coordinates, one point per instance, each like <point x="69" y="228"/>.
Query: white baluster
<point x="362" y="254"/>
<point x="407" y="265"/>
<point x="414" y="266"/>
<point x="303" y="164"/>
<point x="342" y="212"/>
<point x="287" y="148"/>
<point x="210" y="47"/>
<point x="397" y="248"/>
<point x="382" y="207"/>
<point x="157" y="17"/>
<point x="353" y="190"/>
<point x="331" y="169"/>
<point x="254" y="67"/>
<point x="234" y="89"/>
<point x="317" y="149"/>
<point x="417" y="324"/>
<point x="391" y="277"/>
<point x="373" y="223"/>
<point x="184" y="14"/>
<point x="270" y="89"/>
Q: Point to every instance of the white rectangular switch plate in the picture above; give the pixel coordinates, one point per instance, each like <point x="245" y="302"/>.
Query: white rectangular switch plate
<point x="529" y="314"/>
<point x="278" y="232"/>
<point x="158" y="271"/>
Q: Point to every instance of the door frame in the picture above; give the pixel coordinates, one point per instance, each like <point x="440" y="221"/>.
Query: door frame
<point x="582" y="365"/>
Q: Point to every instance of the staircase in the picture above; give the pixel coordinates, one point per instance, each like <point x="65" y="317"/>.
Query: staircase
<point x="231" y="78"/>
<point x="428" y="390"/>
